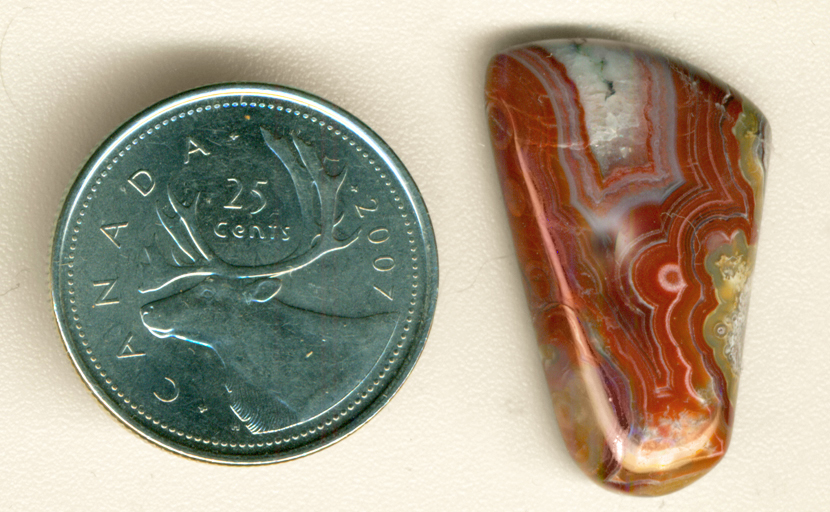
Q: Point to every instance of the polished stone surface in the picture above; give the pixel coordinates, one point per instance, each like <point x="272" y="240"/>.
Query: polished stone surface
<point x="633" y="184"/>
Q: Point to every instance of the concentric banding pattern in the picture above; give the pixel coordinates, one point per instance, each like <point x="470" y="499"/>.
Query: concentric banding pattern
<point x="634" y="185"/>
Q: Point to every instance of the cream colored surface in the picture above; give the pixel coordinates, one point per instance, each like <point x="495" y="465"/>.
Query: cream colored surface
<point x="473" y="428"/>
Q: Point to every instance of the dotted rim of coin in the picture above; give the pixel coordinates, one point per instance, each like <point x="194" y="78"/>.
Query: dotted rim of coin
<point x="344" y="409"/>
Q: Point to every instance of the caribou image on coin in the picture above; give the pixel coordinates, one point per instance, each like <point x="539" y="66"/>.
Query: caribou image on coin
<point x="244" y="273"/>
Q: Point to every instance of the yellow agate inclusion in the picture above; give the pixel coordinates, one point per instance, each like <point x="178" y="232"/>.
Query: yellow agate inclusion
<point x="730" y="265"/>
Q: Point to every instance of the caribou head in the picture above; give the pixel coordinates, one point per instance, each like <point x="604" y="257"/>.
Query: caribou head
<point x="279" y="360"/>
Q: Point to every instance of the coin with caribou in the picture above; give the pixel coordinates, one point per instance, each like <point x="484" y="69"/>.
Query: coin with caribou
<point x="244" y="273"/>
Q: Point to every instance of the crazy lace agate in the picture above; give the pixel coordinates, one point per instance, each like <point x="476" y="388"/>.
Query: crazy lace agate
<point x="633" y="184"/>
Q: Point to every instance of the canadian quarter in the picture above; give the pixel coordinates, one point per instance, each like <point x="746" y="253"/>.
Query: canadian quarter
<point x="244" y="273"/>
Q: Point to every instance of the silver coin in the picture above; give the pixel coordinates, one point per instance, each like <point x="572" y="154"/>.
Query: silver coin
<point x="244" y="273"/>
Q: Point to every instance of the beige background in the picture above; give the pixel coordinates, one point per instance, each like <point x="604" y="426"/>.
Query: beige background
<point x="472" y="429"/>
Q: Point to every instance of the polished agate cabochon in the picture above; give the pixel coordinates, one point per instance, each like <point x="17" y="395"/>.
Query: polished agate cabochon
<point x="633" y="184"/>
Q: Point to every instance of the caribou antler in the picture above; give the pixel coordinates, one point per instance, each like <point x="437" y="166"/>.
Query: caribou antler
<point x="187" y="240"/>
<point x="310" y="180"/>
